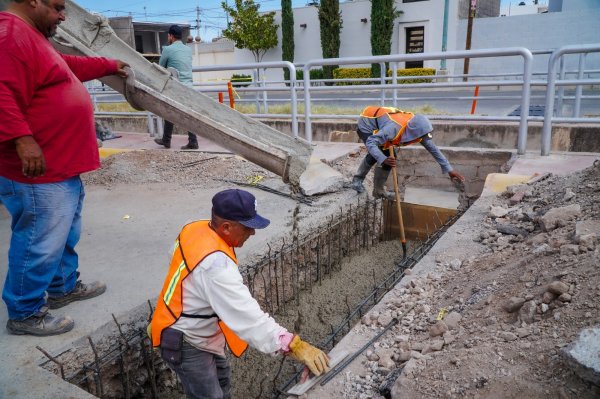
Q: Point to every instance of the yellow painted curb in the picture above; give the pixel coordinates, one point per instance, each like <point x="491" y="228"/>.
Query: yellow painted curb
<point x="106" y="152"/>
<point x="498" y="182"/>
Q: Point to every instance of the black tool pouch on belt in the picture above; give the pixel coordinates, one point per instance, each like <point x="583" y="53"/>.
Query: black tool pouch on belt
<point x="171" y="342"/>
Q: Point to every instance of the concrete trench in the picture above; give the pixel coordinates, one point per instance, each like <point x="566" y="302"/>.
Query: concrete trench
<point x="310" y="283"/>
<point x="310" y="286"/>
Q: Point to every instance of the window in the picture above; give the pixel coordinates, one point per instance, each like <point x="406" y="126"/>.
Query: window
<point x="412" y="1"/>
<point x="415" y="43"/>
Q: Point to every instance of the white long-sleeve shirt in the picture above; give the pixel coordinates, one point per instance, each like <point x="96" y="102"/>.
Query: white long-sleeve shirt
<point x="216" y="286"/>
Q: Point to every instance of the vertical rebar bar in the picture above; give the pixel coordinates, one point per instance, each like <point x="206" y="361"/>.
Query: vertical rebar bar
<point x="269" y="288"/>
<point x="97" y="372"/>
<point x="319" y="272"/>
<point x="145" y="356"/>
<point x="283" y="279"/>
<point x="329" y="247"/>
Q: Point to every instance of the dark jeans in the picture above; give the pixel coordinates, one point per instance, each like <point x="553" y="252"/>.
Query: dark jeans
<point x="204" y="375"/>
<point x="168" y="133"/>
<point x="369" y="158"/>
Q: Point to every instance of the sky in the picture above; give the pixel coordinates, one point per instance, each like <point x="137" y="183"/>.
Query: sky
<point x="212" y="16"/>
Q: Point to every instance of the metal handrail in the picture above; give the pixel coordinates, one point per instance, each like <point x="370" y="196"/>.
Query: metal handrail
<point x="265" y="65"/>
<point x="523" y="52"/>
<point x="553" y="82"/>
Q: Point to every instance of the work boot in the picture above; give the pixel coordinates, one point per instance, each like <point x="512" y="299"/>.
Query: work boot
<point x="163" y="143"/>
<point x="359" y="177"/>
<point x="379" y="191"/>
<point x="41" y="324"/>
<point x="190" y="146"/>
<point x="79" y="293"/>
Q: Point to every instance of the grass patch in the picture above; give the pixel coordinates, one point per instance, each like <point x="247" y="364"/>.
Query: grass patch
<point x="116" y="107"/>
<point x="248" y="108"/>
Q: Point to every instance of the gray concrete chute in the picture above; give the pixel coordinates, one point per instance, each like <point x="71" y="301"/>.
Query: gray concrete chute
<point x="152" y="88"/>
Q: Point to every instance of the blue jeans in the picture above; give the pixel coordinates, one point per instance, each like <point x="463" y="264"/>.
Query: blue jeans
<point x="204" y="375"/>
<point x="46" y="225"/>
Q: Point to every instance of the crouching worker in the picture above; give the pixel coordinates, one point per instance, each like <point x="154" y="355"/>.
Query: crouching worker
<point x="205" y="304"/>
<point x="381" y="128"/>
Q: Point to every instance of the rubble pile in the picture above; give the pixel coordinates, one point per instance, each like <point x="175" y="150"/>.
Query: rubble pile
<point x="499" y="324"/>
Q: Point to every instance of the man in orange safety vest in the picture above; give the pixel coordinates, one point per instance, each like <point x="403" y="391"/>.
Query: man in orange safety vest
<point x="383" y="128"/>
<point x="204" y="303"/>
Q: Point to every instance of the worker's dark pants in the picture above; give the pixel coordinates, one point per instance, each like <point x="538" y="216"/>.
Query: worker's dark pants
<point x="203" y="375"/>
<point x="168" y="133"/>
<point x="369" y="158"/>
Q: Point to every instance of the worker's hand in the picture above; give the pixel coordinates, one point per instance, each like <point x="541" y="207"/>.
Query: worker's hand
<point x="121" y="68"/>
<point x="313" y="358"/>
<point x="454" y="175"/>
<point x="31" y="155"/>
<point x="390" y="161"/>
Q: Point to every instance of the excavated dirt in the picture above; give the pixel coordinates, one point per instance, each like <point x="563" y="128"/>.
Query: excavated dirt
<point x="508" y="312"/>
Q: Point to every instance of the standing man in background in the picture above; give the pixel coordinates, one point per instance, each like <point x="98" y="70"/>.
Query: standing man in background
<point x="47" y="139"/>
<point x="178" y="56"/>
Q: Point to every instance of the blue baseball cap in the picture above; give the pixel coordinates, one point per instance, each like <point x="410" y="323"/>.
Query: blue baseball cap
<point x="238" y="206"/>
<point x="417" y="126"/>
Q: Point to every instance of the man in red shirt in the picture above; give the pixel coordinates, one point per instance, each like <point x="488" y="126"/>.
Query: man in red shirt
<point x="47" y="139"/>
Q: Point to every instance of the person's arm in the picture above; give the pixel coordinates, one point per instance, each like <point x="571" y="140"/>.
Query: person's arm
<point x="164" y="58"/>
<point x="224" y="290"/>
<point x="387" y="133"/>
<point x="231" y="300"/>
<point x="441" y="159"/>
<point x="90" y="68"/>
<point x="17" y="83"/>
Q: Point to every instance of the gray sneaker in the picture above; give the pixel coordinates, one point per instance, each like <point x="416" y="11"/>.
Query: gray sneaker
<point x="79" y="293"/>
<point x="41" y="324"/>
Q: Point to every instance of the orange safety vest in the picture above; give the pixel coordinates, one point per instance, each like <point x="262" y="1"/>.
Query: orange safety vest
<point x="399" y="117"/>
<point x="195" y="242"/>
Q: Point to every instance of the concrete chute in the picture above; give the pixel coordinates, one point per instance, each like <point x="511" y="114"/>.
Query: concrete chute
<point x="151" y="87"/>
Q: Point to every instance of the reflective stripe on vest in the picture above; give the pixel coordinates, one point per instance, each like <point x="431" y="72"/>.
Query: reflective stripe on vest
<point x="195" y="242"/>
<point x="399" y="117"/>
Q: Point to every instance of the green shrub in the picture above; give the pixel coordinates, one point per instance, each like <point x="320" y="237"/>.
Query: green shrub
<point x="351" y="73"/>
<point x="314" y="74"/>
<point x="360" y="73"/>
<point x="241" y="80"/>
<point x="413" y="72"/>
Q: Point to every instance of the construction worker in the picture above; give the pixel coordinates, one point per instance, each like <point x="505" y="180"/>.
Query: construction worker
<point x="178" y="56"/>
<point x="47" y="140"/>
<point x="205" y="304"/>
<point x="383" y="127"/>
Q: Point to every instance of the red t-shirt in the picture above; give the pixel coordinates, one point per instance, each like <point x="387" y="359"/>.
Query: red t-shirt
<point x="41" y="95"/>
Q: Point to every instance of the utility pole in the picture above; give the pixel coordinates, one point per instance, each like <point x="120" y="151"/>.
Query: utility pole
<point x="445" y="35"/>
<point x="472" y="8"/>
<point x="198" y="22"/>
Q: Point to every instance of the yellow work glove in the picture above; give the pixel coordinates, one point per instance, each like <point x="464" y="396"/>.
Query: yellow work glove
<point x="314" y="358"/>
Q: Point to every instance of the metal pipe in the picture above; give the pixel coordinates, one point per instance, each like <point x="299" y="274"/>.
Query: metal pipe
<point x="579" y="88"/>
<point x="561" y="90"/>
<point x="382" y="72"/>
<point x="549" y="111"/>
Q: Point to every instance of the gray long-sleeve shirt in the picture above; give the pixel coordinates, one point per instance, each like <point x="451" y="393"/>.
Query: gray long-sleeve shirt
<point x="387" y="130"/>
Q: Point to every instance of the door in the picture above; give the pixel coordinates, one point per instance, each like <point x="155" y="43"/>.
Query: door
<point x="415" y="43"/>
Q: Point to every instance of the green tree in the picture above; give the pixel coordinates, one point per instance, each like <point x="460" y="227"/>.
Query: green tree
<point x="330" y="21"/>
<point x="383" y="14"/>
<point x="249" y="29"/>
<point x="287" y="35"/>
